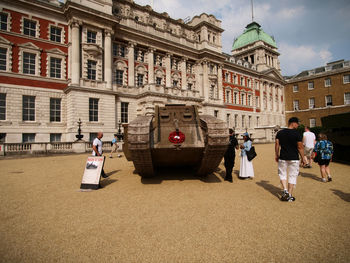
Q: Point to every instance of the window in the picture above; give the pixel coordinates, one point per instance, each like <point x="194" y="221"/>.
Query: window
<point x="189" y="86"/>
<point x="175" y="82"/>
<point x="248" y="83"/>
<point x="119" y="77"/>
<point x="257" y="102"/>
<point x="346" y="79"/>
<point x="243" y="99"/>
<point x="159" y="81"/>
<point x="211" y="92"/>
<point x="3" y="21"/>
<point x="347" y="98"/>
<point x="29" y="27"/>
<point x="235" y="79"/>
<point x="91" y="70"/>
<point x="257" y="121"/>
<point x="118" y="50"/>
<point x="92" y="136"/>
<point x="55" y="67"/>
<point x="226" y="77"/>
<point x="124" y="112"/>
<point x="327" y="82"/>
<point x="235" y="97"/>
<point x="249" y="100"/>
<point x="242" y="81"/>
<point x="28" y="137"/>
<point x="329" y="100"/>
<point x="228" y="119"/>
<point x="236" y="120"/>
<point x="93" y="109"/>
<point x="311" y="103"/>
<point x="55" y="137"/>
<point x="2" y="106"/>
<point x="295" y="104"/>
<point x="91" y="37"/>
<point x="243" y="121"/>
<point x="228" y="96"/>
<point x="3" y="58"/>
<point x="139" y="80"/>
<point x="28" y="108"/>
<point x="55" y="110"/>
<point x="249" y="121"/>
<point x="55" y="34"/>
<point x="310" y="85"/>
<point x="295" y="88"/>
<point x="29" y="63"/>
<point x="2" y="137"/>
<point x="312" y="122"/>
<point x="216" y="113"/>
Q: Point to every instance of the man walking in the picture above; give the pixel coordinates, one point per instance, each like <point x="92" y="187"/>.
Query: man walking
<point x="287" y="146"/>
<point x="114" y="145"/>
<point x="230" y="155"/>
<point x="97" y="149"/>
<point x="309" y="141"/>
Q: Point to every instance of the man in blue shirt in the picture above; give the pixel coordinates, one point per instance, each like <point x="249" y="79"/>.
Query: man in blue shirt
<point x="114" y="145"/>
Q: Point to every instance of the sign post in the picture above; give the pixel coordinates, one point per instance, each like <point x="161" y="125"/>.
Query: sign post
<point x="92" y="173"/>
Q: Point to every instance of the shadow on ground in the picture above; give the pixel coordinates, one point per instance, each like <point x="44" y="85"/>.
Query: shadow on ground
<point x="276" y="191"/>
<point x="341" y="194"/>
<point x="107" y="182"/>
<point x="311" y="176"/>
<point x="180" y="174"/>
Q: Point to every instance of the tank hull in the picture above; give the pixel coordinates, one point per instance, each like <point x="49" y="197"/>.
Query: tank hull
<point x="176" y="136"/>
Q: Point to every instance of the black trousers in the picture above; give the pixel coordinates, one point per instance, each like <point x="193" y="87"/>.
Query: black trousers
<point x="229" y="168"/>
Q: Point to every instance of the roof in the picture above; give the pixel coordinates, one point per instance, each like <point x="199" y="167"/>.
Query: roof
<point x="253" y="33"/>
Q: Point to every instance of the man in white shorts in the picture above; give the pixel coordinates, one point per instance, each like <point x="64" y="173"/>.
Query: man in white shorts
<point x="97" y="149"/>
<point x="309" y="141"/>
<point x="287" y="146"/>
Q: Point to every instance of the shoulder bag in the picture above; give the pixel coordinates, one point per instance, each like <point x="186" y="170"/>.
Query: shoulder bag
<point x="251" y="154"/>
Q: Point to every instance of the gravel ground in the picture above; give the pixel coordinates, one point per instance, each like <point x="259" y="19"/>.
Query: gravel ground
<point x="173" y="217"/>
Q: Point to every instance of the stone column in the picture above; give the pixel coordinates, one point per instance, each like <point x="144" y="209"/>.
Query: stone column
<point x="261" y="85"/>
<point x="131" y="65"/>
<point x="220" y="88"/>
<point x="167" y="71"/>
<point x="253" y="96"/>
<point x="205" y="80"/>
<point x="75" y="53"/>
<point x="150" y="55"/>
<point x="108" y="59"/>
<point x="183" y="73"/>
<point x="273" y="98"/>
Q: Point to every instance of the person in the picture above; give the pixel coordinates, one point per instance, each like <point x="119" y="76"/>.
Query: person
<point x="309" y="140"/>
<point x="97" y="149"/>
<point x="230" y="155"/>
<point x="114" y="145"/>
<point x="246" y="170"/>
<point x="324" y="149"/>
<point x="287" y="146"/>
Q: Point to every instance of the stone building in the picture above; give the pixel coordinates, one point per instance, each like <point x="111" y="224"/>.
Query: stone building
<point x="319" y="92"/>
<point x="105" y="62"/>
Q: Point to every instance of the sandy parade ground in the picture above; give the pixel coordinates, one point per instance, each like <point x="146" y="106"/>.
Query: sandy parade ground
<point x="173" y="217"/>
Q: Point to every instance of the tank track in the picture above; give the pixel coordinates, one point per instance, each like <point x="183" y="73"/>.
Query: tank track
<point x="139" y="145"/>
<point x="216" y="136"/>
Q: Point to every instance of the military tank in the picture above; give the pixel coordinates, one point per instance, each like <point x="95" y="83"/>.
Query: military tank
<point x="175" y="136"/>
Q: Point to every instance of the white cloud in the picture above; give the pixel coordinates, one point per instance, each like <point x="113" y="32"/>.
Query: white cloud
<point x="290" y="13"/>
<point x="295" y="59"/>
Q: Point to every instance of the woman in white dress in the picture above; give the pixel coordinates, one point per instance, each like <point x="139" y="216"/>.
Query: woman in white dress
<point x="246" y="170"/>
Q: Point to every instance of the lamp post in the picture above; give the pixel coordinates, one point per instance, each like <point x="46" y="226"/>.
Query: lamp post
<point x="79" y="136"/>
<point x="120" y="135"/>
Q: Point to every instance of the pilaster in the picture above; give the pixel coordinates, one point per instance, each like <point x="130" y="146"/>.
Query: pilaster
<point x="131" y="65"/>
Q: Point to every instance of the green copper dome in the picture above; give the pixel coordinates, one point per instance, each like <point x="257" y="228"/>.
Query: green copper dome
<point x="251" y="34"/>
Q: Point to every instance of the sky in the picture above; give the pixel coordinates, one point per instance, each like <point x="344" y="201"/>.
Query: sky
<point x="308" y="33"/>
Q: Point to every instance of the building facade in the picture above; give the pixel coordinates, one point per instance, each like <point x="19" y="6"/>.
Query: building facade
<point x="105" y="62"/>
<point x="319" y="92"/>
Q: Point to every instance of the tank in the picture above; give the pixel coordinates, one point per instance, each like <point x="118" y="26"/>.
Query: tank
<point x="175" y="136"/>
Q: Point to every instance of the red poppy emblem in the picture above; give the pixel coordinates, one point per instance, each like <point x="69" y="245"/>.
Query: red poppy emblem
<point x="176" y="137"/>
